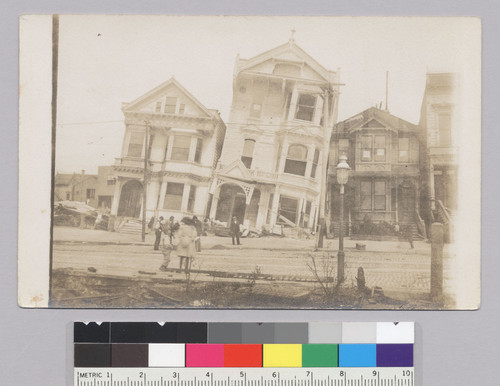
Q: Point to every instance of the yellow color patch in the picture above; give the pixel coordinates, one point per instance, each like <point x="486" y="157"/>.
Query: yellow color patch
<point x="282" y="355"/>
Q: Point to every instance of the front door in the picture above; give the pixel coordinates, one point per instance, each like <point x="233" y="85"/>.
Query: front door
<point x="130" y="199"/>
<point x="406" y="204"/>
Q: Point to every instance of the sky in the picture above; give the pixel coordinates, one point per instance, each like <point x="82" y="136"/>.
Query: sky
<point x="105" y="61"/>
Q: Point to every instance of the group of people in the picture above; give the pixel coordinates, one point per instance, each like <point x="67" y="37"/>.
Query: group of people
<point x="184" y="238"/>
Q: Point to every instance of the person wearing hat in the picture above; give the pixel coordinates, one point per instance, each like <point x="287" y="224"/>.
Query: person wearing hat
<point x="158" y="226"/>
<point x="185" y="239"/>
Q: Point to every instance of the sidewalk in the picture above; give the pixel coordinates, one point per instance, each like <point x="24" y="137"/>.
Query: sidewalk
<point x="99" y="237"/>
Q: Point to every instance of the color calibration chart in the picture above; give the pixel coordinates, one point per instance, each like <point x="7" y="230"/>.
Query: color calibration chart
<point x="243" y="354"/>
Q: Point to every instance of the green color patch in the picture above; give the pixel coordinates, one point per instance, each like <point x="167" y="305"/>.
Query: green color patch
<point x="320" y="355"/>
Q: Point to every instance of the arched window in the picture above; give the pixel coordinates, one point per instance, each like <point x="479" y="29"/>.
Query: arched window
<point x="247" y="155"/>
<point x="296" y="160"/>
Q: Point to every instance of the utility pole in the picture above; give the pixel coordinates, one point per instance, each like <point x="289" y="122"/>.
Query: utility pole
<point x="326" y="150"/>
<point x="145" y="182"/>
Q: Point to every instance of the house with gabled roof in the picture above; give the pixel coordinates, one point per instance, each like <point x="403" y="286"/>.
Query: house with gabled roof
<point x="386" y="155"/>
<point x="270" y="170"/>
<point x="183" y="146"/>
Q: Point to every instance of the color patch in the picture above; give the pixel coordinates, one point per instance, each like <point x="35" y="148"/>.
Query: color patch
<point x="192" y="333"/>
<point x="291" y="333"/>
<point x="394" y="355"/>
<point x="125" y="332"/>
<point x="359" y="332"/>
<point x="357" y="355"/>
<point x="282" y="355"/>
<point x="129" y="355"/>
<point x="242" y="355"/>
<point x="91" y="332"/>
<point x="320" y="355"/>
<point x="92" y="355"/>
<point x="224" y="332"/>
<point x="257" y="333"/>
<point x="402" y="332"/>
<point x="325" y="332"/>
<point x="204" y="355"/>
<point x="166" y="354"/>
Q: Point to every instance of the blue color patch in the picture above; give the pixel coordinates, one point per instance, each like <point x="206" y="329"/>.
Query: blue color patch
<point x="357" y="355"/>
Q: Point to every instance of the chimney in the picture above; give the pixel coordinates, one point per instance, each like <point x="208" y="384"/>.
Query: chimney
<point x="83" y="172"/>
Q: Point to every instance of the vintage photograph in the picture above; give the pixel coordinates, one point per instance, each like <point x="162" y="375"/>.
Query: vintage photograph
<point x="264" y="162"/>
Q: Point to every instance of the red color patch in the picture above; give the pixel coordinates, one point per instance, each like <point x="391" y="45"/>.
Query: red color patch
<point x="242" y="355"/>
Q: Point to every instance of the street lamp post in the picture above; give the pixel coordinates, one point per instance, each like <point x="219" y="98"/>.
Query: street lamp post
<point x="342" y="177"/>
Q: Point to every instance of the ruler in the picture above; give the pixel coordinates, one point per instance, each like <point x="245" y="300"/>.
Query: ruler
<point x="313" y="376"/>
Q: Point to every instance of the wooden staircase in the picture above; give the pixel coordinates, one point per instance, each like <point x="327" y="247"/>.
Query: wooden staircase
<point x="130" y="226"/>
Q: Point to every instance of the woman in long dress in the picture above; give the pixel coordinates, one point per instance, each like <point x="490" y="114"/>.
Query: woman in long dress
<point x="185" y="240"/>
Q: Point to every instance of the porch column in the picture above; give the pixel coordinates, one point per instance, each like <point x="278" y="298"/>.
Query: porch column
<point x="116" y="197"/>
<point x="163" y="191"/>
<point x="282" y="159"/>
<point x="261" y="213"/>
<point x="310" y="157"/>
<point x="215" y="202"/>
<point x="432" y="192"/>
<point x="274" y="210"/>
<point x="293" y="104"/>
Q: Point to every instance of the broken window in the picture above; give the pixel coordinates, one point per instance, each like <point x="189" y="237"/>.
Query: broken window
<point x="296" y="160"/>
<point x="305" y="107"/>
<point x="288" y="209"/>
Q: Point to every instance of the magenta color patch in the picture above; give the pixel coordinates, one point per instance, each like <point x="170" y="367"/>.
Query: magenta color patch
<point x="204" y="355"/>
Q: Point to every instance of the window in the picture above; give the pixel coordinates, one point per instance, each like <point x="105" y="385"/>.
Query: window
<point x="373" y="195"/>
<point x="296" y="160"/>
<point x="68" y="197"/>
<point x="373" y="148"/>
<point x="158" y="107"/>
<point x="192" y="195"/>
<point x="150" y="145"/>
<point x="379" y="148"/>
<point x="366" y="148"/>
<point x="343" y="148"/>
<point x="90" y="193"/>
<point x="315" y="163"/>
<point x="404" y="149"/>
<point x="180" y="148"/>
<point x="170" y="105"/>
<point x="288" y="209"/>
<point x="135" y="144"/>
<point x="199" y="146"/>
<point x="307" y="214"/>
<point x="444" y="121"/>
<point x="247" y="156"/>
<point x="379" y="197"/>
<point x="255" y="110"/>
<point x="173" y="196"/>
<point x="111" y="181"/>
<point x="182" y="108"/>
<point x="305" y="107"/>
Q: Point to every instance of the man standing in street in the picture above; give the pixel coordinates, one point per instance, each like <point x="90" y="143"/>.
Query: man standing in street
<point x="158" y="226"/>
<point x="235" y="230"/>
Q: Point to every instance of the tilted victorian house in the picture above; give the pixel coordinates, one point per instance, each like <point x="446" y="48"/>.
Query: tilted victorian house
<point x="385" y="154"/>
<point x="183" y="147"/>
<point x="437" y="120"/>
<point x="271" y="164"/>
